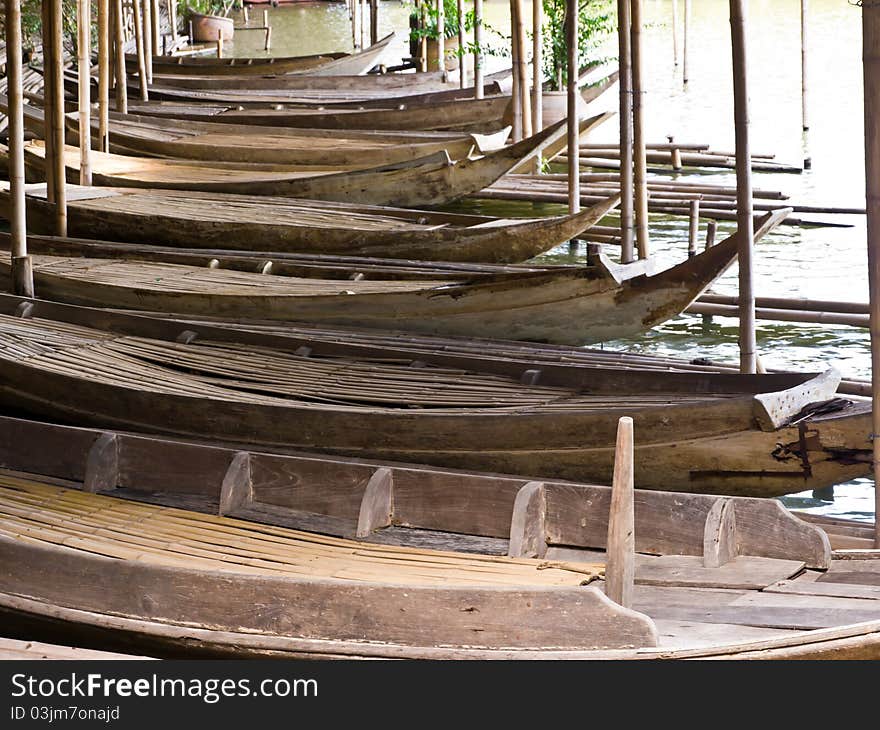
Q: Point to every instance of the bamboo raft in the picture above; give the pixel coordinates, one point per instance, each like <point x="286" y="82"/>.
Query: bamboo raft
<point x="519" y="573"/>
<point x="573" y="305"/>
<point x="193" y="219"/>
<point x="764" y="435"/>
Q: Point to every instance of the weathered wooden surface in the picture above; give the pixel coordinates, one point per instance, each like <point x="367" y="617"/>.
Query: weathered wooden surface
<point x="377" y="506"/>
<point x="17" y="650"/>
<point x="528" y="531"/>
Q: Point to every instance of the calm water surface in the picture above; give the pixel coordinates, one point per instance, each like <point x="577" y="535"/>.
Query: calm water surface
<point x="819" y="263"/>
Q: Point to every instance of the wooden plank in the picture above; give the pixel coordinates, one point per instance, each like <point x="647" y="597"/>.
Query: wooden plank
<point x="377" y="505"/>
<point x="694" y="634"/>
<point x="620" y="570"/>
<point x="528" y="532"/>
<point x="739" y="573"/>
<point x="720" y="544"/>
<point x="809" y="584"/>
<point x="437" y="540"/>
<point x="774" y="410"/>
<point x="102" y="464"/>
<point x="236" y="490"/>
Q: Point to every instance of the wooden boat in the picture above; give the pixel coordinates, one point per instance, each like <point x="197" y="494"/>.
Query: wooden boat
<point x="495" y="567"/>
<point x="568" y="305"/>
<point x="189" y="218"/>
<point x="208" y="28"/>
<point x="763" y="435"/>
<point x="132" y="134"/>
<point x="428" y="181"/>
<point x="325" y="64"/>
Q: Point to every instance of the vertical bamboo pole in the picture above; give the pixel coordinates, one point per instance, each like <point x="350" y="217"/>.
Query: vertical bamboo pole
<point x="423" y="43"/>
<point x="640" y="163"/>
<point x="374" y="22"/>
<point x="621" y="555"/>
<point x="154" y="28"/>
<point x="363" y="16"/>
<point x="49" y="96"/>
<point x="103" y="74"/>
<point x="147" y="32"/>
<point x="83" y="58"/>
<point x="441" y="36"/>
<point x="219" y="42"/>
<point x="523" y="75"/>
<point x="675" y="32"/>
<point x="478" y="46"/>
<point x="172" y="20"/>
<point x="627" y="231"/>
<point x="684" y="51"/>
<point x="462" y="65"/>
<point x="22" y="273"/>
<point x="57" y="101"/>
<point x="871" y="70"/>
<point x="694" y="227"/>
<point x="744" y="223"/>
<point x="119" y="46"/>
<point x="516" y="89"/>
<point x="537" y="68"/>
<point x="141" y="50"/>
<point x="804" y="114"/>
<point x="574" y="167"/>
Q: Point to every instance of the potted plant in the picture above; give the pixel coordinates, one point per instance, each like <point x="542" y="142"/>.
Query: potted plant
<point x="596" y="21"/>
<point x="428" y="30"/>
<point x="209" y="19"/>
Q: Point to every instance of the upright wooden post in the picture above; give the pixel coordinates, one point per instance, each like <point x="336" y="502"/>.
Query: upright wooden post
<point x="523" y="75"/>
<point x="744" y="221"/>
<point x="154" y="29"/>
<point x="103" y="75"/>
<point x="694" y="227"/>
<point x="805" y="120"/>
<point x="423" y="43"/>
<point x="141" y="49"/>
<point x="516" y="88"/>
<point x="147" y="30"/>
<point x="56" y="102"/>
<point x="374" y="22"/>
<point x="172" y="20"/>
<point x="441" y="36"/>
<point x="537" y="68"/>
<point x="478" y="46"/>
<point x="684" y="52"/>
<point x="621" y="559"/>
<point x="22" y="273"/>
<point x="119" y="47"/>
<point x="84" y="62"/>
<point x="574" y="166"/>
<point x="871" y="70"/>
<point x="640" y="162"/>
<point x="627" y="231"/>
<point x="219" y="43"/>
<point x="675" y="32"/>
<point x="363" y="10"/>
<point x="462" y="66"/>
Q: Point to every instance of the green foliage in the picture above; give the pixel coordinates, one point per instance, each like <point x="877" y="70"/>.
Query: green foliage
<point x="32" y="24"/>
<point x="596" y="21"/>
<point x="205" y="7"/>
<point x="494" y="42"/>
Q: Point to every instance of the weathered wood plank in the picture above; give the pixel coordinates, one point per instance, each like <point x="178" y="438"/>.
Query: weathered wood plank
<point x="236" y="490"/>
<point x="809" y="584"/>
<point x="528" y="532"/>
<point x="377" y="505"/>
<point x="720" y="543"/>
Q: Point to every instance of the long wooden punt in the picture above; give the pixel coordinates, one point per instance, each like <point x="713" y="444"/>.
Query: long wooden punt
<point x="427" y="181"/>
<point x="133" y="134"/>
<point x="731" y="434"/>
<point x="320" y="64"/>
<point x="240" y="553"/>
<point x="573" y="305"/>
<point x="189" y="218"/>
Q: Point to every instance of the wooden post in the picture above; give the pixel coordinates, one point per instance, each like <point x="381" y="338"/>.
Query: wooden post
<point x="711" y="228"/>
<point x="139" y="44"/>
<point x="49" y="96"/>
<point x="172" y="20"/>
<point x="22" y="272"/>
<point x="684" y="52"/>
<point x="147" y="30"/>
<point x="574" y="167"/>
<point x="219" y="44"/>
<point x="363" y="9"/>
<point x="478" y="45"/>
<point x="640" y="162"/>
<point x="516" y="88"/>
<point x="423" y="43"/>
<point x="675" y="32"/>
<point x="537" y="69"/>
<point x="84" y="62"/>
<point x="523" y="75"/>
<point x="620" y="563"/>
<point x="154" y="29"/>
<point x="103" y="75"/>
<point x="627" y="232"/>
<point x="119" y="46"/>
<point x="694" y="228"/>
<point x="804" y="116"/>
<point x="462" y="66"/>
<point x="441" y="36"/>
<point x="57" y="102"/>
<point x="374" y="22"/>
<point x="871" y="70"/>
<point x="744" y="223"/>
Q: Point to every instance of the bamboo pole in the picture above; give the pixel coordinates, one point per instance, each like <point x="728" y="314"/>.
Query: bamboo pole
<point x="119" y="48"/>
<point x="621" y="553"/>
<point x="627" y="232"/>
<point x="684" y="50"/>
<point x="522" y="44"/>
<point x="83" y="58"/>
<point x="154" y="28"/>
<point x="363" y="15"/>
<point x="141" y="49"/>
<point x="747" y="337"/>
<point x="147" y="30"/>
<point x="537" y="68"/>
<point x="423" y="43"/>
<point x="871" y="70"/>
<point x="462" y="66"/>
<point x="172" y="20"/>
<point x="49" y="94"/>
<point x="478" y="45"/>
<point x="103" y="75"/>
<point x="374" y="22"/>
<point x="694" y="227"/>
<point x="516" y="88"/>
<point x="640" y="163"/>
<point x="675" y="32"/>
<point x="441" y="36"/>
<point x="804" y="115"/>
<point x="57" y="102"/>
<point x="219" y="42"/>
<point x="22" y="272"/>
<point x="571" y="38"/>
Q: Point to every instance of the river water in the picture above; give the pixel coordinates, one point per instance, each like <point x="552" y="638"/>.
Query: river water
<point x="818" y="263"/>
